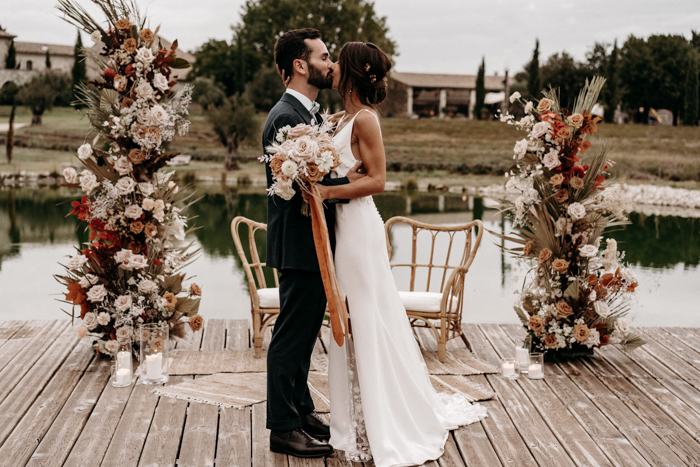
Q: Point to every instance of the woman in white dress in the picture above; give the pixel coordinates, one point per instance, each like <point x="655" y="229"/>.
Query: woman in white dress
<point x="382" y="403"/>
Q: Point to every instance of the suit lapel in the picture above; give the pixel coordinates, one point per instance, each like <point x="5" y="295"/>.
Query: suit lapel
<point x="298" y="107"/>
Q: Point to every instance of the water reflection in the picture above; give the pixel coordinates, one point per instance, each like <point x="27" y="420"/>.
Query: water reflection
<point x="35" y="233"/>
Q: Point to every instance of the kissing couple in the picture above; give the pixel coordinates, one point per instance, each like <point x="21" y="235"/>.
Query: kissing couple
<point x="383" y="405"/>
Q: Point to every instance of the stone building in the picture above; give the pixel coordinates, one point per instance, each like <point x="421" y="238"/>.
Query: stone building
<point x="440" y="95"/>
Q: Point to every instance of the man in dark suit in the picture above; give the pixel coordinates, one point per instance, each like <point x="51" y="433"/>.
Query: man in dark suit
<point x="302" y="58"/>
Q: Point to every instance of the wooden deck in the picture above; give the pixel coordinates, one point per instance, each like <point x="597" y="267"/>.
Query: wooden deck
<point x="57" y="408"/>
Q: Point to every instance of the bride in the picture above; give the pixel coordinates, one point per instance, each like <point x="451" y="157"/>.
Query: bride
<point x="382" y="403"/>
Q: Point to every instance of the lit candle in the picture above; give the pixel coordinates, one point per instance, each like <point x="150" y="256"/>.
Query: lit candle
<point x="522" y="356"/>
<point x="534" y="371"/>
<point x="508" y="369"/>
<point x="154" y="364"/>
<point x="123" y="377"/>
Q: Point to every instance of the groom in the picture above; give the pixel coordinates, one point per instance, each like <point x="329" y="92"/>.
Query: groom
<point x="302" y="59"/>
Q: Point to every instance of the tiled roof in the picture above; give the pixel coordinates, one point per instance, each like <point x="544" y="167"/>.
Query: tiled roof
<point x="40" y="49"/>
<point x="6" y="34"/>
<point x="435" y="81"/>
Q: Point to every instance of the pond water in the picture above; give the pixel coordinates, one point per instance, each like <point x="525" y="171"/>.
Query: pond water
<point x="35" y="234"/>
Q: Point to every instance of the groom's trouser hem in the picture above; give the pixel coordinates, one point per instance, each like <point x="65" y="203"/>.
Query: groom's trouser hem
<point x="285" y="425"/>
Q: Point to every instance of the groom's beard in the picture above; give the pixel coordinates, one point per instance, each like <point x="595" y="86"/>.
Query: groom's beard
<point x="318" y="79"/>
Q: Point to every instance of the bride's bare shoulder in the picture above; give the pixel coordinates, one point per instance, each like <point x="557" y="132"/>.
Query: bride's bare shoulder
<point x="367" y="123"/>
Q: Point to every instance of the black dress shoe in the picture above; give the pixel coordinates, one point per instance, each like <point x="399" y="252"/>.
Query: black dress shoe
<point x="298" y="443"/>
<point x="314" y="425"/>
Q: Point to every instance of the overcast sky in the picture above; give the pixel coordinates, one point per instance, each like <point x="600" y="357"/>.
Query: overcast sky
<point x="437" y="36"/>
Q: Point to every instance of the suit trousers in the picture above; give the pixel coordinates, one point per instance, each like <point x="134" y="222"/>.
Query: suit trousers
<point x="302" y="308"/>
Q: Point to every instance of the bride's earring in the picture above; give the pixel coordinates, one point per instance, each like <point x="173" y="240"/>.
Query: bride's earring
<point x="351" y="91"/>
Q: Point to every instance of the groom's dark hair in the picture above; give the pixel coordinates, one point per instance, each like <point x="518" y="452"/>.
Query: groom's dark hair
<point x="292" y="46"/>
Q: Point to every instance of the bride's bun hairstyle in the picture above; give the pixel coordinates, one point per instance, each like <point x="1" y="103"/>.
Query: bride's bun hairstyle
<point x="363" y="70"/>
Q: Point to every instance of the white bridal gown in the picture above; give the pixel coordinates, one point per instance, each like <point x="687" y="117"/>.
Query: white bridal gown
<point x="382" y="402"/>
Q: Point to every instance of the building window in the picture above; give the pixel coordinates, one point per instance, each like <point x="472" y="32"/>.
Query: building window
<point x="29" y="64"/>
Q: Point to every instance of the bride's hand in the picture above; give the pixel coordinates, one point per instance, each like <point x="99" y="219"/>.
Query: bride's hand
<point x="321" y="191"/>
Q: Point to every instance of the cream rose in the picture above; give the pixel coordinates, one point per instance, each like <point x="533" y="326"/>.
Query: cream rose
<point x="576" y="211"/>
<point x="545" y="105"/>
<point x="528" y="107"/>
<point x="593" y="338"/>
<point x="628" y="276"/>
<point x="84" y="151"/>
<point x="125" y="185"/>
<point x="601" y="307"/>
<point x="123" y="255"/>
<point x="143" y="116"/>
<point x="622" y="326"/>
<point x="159" y="116"/>
<point x="138" y="262"/>
<point x="70" y="175"/>
<point x="97" y="293"/>
<point x="145" y="56"/>
<point x="146" y="188"/>
<point x="161" y="82"/>
<point x="148" y="286"/>
<point x="540" y="129"/>
<point x="88" y="181"/>
<point x="306" y="148"/>
<point x="96" y="36"/>
<point x="285" y="192"/>
<point x="90" y="321"/>
<point x="76" y="262"/>
<point x="103" y="318"/>
<point x="520" y="148"/>
<point x="144" y="90"/>
<point x="551" y="160"/>
<point x="123" y="302"/>
<point x="111" y="346"/>
<point x="88" y="280"/>
<point x="148" y="204"/>
<point x="588" y="251"/>
<point x="124" y="333"/>
<point x="120" y="83"/>
<point x="133" y="212"/>
<point x="123" y="166"/>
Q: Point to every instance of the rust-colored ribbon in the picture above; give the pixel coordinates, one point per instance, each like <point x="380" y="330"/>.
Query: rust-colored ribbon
<point x="336" y="305"/>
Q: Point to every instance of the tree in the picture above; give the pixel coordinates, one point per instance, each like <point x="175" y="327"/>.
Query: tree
<point x="8" y="91"/>
<point x="233" y="123"/>
<point x="561" y="71"/>
<point x="11" y="57"/>
<point x="208" y="93"/>
<point x="39" y="95"/>
<point x="534" y="84"/>
<point x="218" y="61"/>
<point x="265" y="89"/>
<point x="636" y="71"/>
<point x="670" y="55"/>
<point x="690" y="108"/>
<point x="8" y="95"/>
<point x="480" y="89"/>
<point x="610" y="91"/>
<point x="48" y="59"/>
<point x="79" y="71"/>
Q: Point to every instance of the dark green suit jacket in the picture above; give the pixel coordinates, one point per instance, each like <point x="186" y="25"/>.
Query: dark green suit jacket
<point x="290" y="241"/>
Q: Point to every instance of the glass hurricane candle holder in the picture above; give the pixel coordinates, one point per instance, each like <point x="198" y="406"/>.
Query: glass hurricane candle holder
<point x="522" y="356"/>
<point x="123" y="370"/>
<point x="536" y="368"/>
<point x="509" y="368"/>
<point x="153" y="353"/>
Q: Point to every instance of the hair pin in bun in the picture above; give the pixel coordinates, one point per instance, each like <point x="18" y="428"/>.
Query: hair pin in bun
<point x="372" y="78"/>
<point x="367" y="67"/>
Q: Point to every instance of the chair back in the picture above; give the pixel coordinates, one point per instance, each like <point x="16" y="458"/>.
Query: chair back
<point x="438" y="264"/>
<point x="252" y="265"/>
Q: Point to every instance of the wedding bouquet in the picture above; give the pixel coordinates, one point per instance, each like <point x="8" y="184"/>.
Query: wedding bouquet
<point x="576" y="292"/>
<point x="302" y="155"/>
<point x="129" y="272"/>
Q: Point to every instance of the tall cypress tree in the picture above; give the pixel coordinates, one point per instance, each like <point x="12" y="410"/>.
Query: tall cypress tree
<point x="690" y="108"/>
<point x="610" y="96"/>
<point x="11" y="57"/>
<point x="48" y="59"/>
<point x="480" y="89"/>
<point x="534" y="84"/>
<point x="79" y="71"/>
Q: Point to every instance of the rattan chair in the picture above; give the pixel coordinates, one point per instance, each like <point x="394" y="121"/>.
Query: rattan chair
<point x="425" y="308"/>
<point x="264" y="300"/>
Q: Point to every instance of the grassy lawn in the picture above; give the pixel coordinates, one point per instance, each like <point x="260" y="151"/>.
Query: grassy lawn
<point x="452" y="152"/>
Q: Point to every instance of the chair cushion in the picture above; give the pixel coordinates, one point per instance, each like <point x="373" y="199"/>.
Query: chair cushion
<point x="269" y="298"/>
<point x="424" y="301"/>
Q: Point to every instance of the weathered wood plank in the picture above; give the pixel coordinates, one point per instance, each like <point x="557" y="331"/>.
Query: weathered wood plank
<point x="613" y="443"/>
<point x="682" y="442"/>
<point x="237" y="334"/>
<point x="128" y="440"/>
<point x="18" y="402"/>
<point x="300" y="462"/>
<point x="198" y="447"/>
<point x="649" y="445"/>
<point x="678" y="347"/>
<point x="19" y="341"/>
<point x="685" y="335"/>
<point x="234" y="437"/>
<point x="9" y="329"/>
<point x="33" y="425"/>
<point x="262" y="456"/>
<point x="451" y="457"/>
<point x="165" y="432"/>
<point x="56" y="445"/>
<point x="22" y="362"/>
<point x="669" y="359"/>
<point x="90" y="448"/>
<point x="475" y="446"/>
